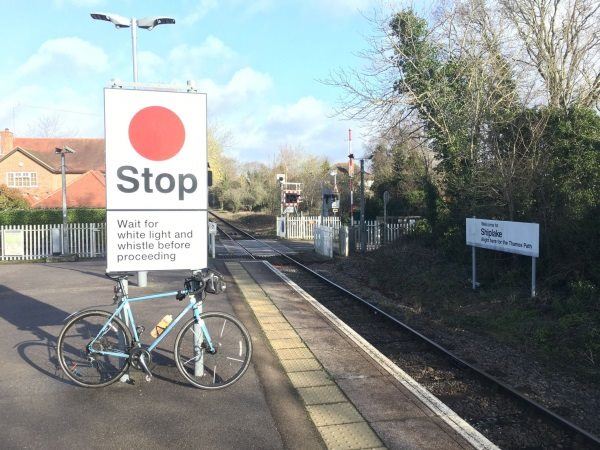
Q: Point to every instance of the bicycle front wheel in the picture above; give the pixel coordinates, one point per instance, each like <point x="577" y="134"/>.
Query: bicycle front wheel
<point x="80" y="359"/>
<point x="230" y="358"/>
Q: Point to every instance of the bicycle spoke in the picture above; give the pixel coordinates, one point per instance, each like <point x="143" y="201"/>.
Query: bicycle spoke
<point x="221" y="366"/>
<point x="82" y="345"/>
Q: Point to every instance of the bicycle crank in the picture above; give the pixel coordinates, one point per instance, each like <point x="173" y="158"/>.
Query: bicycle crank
<point x="140" y="359"/>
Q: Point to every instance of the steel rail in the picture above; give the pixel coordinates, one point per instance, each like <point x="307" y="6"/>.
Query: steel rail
<point x="232" y="239"/>
<point x="455" y="358"/>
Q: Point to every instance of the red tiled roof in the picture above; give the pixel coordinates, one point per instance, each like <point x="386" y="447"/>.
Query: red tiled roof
<point x="89" y="152"/>
<point x="86" y="191"/>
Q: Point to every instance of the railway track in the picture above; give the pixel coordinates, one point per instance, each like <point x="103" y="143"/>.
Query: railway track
<point x="498" y="411"/>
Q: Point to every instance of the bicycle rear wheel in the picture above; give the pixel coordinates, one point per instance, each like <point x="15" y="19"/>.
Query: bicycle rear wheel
<point x="226" y="365"/>
<point x="84" y="366"/>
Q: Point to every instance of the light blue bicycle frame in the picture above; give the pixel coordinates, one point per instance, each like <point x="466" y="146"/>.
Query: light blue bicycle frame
<point x="128" y="314"/>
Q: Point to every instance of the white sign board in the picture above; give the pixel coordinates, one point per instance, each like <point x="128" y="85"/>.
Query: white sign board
<point x="13" y="243"/>
<point x="512" y="237"/>
<point x="156" y="180"/>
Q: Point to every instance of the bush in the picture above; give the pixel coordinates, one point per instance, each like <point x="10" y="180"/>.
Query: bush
<point x="11" y="198"/>
<point x="50" y="216"/>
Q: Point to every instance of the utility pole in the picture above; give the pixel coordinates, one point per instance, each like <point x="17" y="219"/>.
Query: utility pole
<point x="351" y="175"/>
<point x="363" y="234"/>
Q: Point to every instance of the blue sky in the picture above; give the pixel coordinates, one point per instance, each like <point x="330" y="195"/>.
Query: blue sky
<point x="259" y="61"/>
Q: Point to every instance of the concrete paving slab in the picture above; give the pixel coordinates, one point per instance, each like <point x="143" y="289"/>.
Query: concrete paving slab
<point x="334" y="414"/>
<point x="350" y="436"/>
<point x="378" y="398"/>
<point x="294" y="353"/>
<point x="294" y="342"/>
<point x="310" y="378"/>
<point x="319" y="395"/>
<point x="416" y="433"/>
<point x="300" y="365"/>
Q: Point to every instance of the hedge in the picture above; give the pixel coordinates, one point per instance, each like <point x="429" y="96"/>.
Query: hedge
<point x="50" y="216"/>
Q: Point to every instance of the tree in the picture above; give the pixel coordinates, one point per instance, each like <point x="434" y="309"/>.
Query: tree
<point x="559" y="39"/>
<point x="51" y="125"/>
<point x="11" y="198"/>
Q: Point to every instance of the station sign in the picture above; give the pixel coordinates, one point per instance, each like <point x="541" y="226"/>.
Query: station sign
<point x="511" y="237"/>
<point x="13" y="242"/>
<point x="156" y="180"/>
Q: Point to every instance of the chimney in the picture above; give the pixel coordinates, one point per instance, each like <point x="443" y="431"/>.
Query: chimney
<point x="6" y="141"/>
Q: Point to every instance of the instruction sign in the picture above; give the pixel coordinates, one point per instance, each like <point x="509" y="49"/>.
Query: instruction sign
<point x="156" y="180"/>
<point x="13" y="243"/>
<point x="512" y="237"/>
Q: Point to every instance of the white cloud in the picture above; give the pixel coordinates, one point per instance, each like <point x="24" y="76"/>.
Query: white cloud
<point x="248" y="81"/>
<point x="80" y="113"/>
<point x="212" y="47"/>
<point x="305" y="123"/>
<point x="68" y="53"/>
<point x="77" y="3"/>
<point x="202" y="8"/>
<point x="150" y="66"/>
<point x="341" y="8"/>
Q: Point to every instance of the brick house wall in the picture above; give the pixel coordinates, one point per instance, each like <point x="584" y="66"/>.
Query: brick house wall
<point x="37" y="155"/>
<point x="47" y="182"/>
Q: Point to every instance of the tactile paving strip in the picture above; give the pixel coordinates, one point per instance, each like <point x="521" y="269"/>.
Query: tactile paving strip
<point x="349" y="436"/>
<point x="334" y="414"/>
<point x="338" y="421"/>
<point x="310" y="379"/>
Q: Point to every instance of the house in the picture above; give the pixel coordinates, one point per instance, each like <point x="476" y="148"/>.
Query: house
<point x="32" y="166"/>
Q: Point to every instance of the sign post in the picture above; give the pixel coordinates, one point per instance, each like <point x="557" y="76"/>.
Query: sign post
<point x="511" y="237"/>
<point x="156" y="179"/>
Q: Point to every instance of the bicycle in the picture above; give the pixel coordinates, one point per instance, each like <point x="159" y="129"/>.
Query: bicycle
<point x="212" y="350"/>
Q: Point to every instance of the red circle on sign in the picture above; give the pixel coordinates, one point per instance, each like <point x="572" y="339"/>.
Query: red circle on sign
<point x="156" y="133"/>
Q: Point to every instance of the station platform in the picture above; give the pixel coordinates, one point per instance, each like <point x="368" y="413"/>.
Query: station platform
<point x="350" y="394"/>
<point x="310" y="384"/>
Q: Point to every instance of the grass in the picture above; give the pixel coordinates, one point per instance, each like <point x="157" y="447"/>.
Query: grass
<point x="561" y="326"/>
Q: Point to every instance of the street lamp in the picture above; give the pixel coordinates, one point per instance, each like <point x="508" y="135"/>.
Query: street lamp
<point x="65" y="235"/>
<point x="148" y="23"/>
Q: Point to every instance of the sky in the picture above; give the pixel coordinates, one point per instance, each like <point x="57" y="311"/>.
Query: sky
<point x="259" y="61"/>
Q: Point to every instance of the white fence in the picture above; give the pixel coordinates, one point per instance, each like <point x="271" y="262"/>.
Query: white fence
<point x="378" y="234"/>
<point x="86" y="240"/>
<point x="302" y="227"/>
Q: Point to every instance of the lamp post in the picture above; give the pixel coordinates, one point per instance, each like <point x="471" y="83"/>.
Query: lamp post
<point x="64" y="241"/>
<point x="147" y="23"/>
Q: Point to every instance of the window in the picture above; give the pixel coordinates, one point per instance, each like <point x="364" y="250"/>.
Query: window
<point x="21" y="179"/>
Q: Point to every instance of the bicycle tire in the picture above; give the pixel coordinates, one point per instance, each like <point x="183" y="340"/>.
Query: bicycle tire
<point x="66" y="356"/>
<point x="228" y="364"/>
